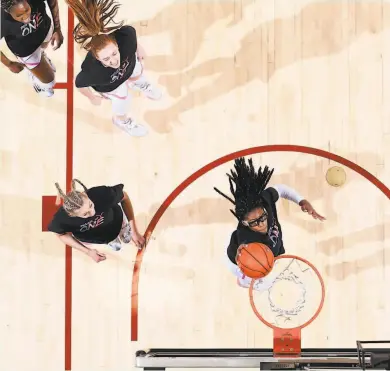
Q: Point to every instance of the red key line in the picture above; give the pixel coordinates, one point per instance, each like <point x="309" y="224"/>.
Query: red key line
<point x="69" y="87"/>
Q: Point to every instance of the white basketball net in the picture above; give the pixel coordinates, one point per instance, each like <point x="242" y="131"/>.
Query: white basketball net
<point x="290" y="295"/>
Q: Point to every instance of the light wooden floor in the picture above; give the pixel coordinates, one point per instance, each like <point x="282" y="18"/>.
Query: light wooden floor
<point x="237" y="74"/>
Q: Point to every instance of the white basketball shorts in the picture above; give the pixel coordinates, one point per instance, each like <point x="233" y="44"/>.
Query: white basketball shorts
<point x="34" y="59"/>
<point x="120" y="97"/>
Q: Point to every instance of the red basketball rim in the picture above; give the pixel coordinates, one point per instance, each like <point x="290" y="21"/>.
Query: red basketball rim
<point x="307" y="323"/>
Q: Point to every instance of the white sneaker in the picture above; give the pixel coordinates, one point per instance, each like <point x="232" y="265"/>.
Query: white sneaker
<point x="37" y="86"/>
<point x="125" y="235"/>
<point x="148" y="89"/>
<point x="131" y="127"/>
<point x="115" y="245"/>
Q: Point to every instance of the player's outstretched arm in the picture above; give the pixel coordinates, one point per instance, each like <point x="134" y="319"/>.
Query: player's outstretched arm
<point x="69" y="240"/>
<point x="291" y="194"/>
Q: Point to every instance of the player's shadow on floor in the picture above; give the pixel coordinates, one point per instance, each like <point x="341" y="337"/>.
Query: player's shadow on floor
<point x="97" y="117"/>
<point x="187" y="23"/>
<point x="376" y="260"/>
<point x="266" y="50"/>
<point x="335" y="245"/>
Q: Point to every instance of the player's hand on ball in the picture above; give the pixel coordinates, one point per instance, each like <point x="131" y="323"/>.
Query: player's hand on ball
<point x="96" y="255"/>
<point x="307" y="208"/>
<point x="16" y="67"/>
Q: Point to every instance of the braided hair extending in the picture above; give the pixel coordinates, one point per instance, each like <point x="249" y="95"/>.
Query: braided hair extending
<point x="249" y="184"/>
<point x="7" y="5"/>
<point x="73" y="200"/>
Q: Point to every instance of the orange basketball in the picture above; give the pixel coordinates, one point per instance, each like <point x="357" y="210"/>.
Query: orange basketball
<point x="255" y="259"/>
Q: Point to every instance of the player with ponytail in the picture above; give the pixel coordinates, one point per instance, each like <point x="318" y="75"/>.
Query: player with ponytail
<point x="113" y="64"/>
<point x="99" y="215"/>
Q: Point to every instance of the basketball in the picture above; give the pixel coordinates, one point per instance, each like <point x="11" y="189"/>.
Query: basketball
<point x="336" y="176"/>
<point x="255" y="260"/>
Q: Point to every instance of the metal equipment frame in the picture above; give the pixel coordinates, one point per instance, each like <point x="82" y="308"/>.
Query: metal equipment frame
<point x="263" y="359"/>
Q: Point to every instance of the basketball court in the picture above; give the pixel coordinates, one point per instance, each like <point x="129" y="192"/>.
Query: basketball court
<point x="291" y="83"/>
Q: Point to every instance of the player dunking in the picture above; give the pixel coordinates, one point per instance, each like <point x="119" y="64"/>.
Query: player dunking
<point x="27" y="30"/>
<point x="255" y="209"/>
<point x="98" y="215"/>
<point x="113" y="63"/>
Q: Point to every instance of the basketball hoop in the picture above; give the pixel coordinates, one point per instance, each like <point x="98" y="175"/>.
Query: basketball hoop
<point x="292" y="301"/>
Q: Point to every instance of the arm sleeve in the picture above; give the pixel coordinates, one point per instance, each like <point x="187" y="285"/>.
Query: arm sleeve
<point x="288" y="193"/>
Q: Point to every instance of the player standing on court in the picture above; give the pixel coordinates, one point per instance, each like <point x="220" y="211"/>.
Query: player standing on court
<point x="98" y="215"/>
<point x="28" y="30"/>
<point x="255" y="209"/>
<point x="113" y="63"/>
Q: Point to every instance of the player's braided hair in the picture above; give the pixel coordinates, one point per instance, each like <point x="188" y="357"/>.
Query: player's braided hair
<point x="249" y="184"/>
<point x="6" y="5"/>
<point x="94" y="16"/>
<point x="73" y="200"/>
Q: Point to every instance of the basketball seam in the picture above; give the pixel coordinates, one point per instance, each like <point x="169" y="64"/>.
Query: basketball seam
<point x="264" y="271"/>
<point x="257" y="259"/>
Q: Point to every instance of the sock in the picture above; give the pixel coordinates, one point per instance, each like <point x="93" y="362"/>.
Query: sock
<point x="46" y="86"/>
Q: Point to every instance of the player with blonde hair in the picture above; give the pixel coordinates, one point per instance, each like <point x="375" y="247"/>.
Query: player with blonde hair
<point x="98" y="215"/>
<point x="113" y="63"/>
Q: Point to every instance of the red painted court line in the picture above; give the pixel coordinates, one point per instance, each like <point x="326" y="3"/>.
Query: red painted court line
<point x="61" y="85"/>
<point x="230" y="157"/>
<point x="48" y="208"/>
<point x="48" y="202"/>
<point x="69" y="176"/>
